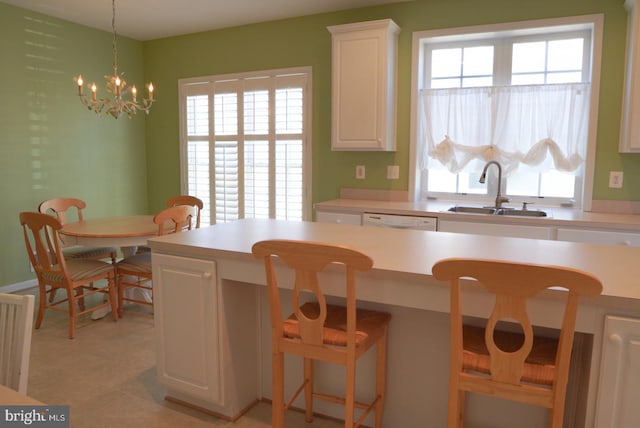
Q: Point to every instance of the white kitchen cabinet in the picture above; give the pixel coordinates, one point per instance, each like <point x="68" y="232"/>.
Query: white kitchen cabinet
<point x="202" y="326"/>
<point x="599" y="237"/>
<point x="186" y="327"/>
<point x="618" y="388"/>
<point x="364" y="62"/>
<point x="630" y="122"/>
<point x="340" y="218"/>
<point x="496" y="229"/>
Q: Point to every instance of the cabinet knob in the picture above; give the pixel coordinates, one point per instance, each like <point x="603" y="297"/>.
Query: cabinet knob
<point x="616" y="339"/>
<point x="207" y="275"/>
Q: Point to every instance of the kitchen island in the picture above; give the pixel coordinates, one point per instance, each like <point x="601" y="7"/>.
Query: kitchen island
<point x="212" y="322"/>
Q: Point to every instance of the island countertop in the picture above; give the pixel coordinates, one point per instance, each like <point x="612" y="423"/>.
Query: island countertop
<point x="414" y="252"/>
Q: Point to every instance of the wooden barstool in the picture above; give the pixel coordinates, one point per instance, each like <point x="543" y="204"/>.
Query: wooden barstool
<point x="519" y="367"/>
<point x="320" y="331"/>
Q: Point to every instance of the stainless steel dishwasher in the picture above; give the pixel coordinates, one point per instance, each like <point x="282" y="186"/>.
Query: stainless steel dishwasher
<point x="398" y="221"/>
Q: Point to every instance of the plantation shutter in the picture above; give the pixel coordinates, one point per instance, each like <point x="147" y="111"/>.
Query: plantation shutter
<point x="246" y="146"/>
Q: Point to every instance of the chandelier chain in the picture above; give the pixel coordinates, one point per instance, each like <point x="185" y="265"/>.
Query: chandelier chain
<point x="115" y="45"/>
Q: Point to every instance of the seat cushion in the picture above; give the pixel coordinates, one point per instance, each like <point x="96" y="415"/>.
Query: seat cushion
<point x="370" y="325"/>
<point x="80" y="269"/>
<point x="138" y="264"/>
<point x="82" y="252"/>
<point x="539" y="366"/>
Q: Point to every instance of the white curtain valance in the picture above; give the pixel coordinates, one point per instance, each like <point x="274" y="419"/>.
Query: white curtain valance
<point x="543" y="126"/>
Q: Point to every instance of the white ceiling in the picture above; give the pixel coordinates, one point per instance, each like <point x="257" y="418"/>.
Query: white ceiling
<point x="152" y="19"/>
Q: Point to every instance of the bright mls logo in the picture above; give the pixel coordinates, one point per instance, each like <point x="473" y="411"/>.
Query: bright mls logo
<point x="34" y="416"/>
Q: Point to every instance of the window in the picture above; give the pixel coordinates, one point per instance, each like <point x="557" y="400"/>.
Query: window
<point x="520" y="94"/>
<point x="245" y="146"/>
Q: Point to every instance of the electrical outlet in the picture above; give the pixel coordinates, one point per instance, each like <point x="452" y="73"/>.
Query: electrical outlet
<point x="615" y="179"/>
<point x="393" y="172"/>
<point x="360" y="172"/>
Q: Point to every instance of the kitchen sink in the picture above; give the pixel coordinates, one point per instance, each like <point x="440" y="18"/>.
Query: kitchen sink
<point x="501" y="211"/>
<point x="521" y="213"/>
<point x="473" y="210"/>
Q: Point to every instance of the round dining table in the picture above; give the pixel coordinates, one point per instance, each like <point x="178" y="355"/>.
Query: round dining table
<point x="126" y="232"/>
<point x="119" y="231"/>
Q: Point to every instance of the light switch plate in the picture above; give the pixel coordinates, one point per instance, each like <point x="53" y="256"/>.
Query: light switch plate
<point x="615" y="179"/>
<point x="393" y="172"/>
<point x="360" y="172"/>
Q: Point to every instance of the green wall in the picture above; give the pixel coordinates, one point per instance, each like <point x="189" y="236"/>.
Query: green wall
<point x="306" y="41"/>
<point x="51" y="146"/>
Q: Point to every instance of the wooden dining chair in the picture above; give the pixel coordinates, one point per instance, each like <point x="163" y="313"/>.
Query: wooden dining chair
<point x="60" y="207"/>
<point x="521" y="367"/>
<point x="318" y="331"/>
<point x="16" y="323"/>
<point x="135" y="271"/>
<point x="188" y="200"/>
<point x="77" y="277"/>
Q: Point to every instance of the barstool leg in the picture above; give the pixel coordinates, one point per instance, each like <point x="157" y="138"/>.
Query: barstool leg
<point x="381" y="377"/>
<point x="308" y="389"/>
<point x="349" y="402"/>
<point x="277" y="388"/>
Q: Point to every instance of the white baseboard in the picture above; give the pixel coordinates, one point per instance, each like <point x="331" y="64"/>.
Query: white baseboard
<point x="19" y="286"/>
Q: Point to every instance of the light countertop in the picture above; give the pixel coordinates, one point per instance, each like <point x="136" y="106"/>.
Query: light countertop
<point x="558" y="217"/>
<point x="413" y="253"/>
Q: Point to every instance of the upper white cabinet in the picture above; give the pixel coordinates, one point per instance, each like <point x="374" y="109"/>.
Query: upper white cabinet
<point x="364" y="61"/>
<point x="630" y="124"/>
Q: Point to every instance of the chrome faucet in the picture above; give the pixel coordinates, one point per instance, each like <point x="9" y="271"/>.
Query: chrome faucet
<point x="499" y="198"/>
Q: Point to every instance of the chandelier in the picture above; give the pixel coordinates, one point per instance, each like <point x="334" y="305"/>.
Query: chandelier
<point x="114" y="103"/>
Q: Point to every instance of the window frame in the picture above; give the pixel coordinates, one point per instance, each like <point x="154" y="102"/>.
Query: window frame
<point x="207" y="85"/>
<point x="519" y="29"/>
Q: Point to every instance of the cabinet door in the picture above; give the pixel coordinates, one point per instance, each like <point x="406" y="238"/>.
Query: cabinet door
<point x="493" y="229"/>
<point x="340" y="218"/>
<point x="599" y="237"/>
<point x="619" y="386"/>
<point x="186" y="325"/>
<point x="363" y="85"/>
